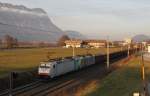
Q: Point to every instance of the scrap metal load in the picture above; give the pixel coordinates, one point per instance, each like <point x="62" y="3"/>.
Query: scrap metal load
<point x="53" y="68"/>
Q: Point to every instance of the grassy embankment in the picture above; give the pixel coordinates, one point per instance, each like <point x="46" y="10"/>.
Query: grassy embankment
<point x="25" y="59"/>
<point x="122" y="82"/>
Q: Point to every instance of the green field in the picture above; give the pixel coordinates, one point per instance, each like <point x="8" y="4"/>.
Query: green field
<point x="124" y="81"/>
<point x="25" y="59"/>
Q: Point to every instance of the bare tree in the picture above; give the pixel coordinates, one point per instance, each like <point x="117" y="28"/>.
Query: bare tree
<point x="10" y="42"/>
<point x="61" y="41"/>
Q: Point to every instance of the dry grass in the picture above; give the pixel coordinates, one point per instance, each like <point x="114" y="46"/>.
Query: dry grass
<point x="86" y="89"/>
<point x="122" y="82"/>
<point x="25" y="59"/>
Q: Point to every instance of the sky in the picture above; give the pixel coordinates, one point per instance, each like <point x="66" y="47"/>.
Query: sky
<point x="98" y="19"/>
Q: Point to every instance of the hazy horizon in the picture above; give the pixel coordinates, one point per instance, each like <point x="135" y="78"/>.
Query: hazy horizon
<point x="96" y="18"/>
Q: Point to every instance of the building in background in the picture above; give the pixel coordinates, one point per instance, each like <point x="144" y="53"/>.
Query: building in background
<point x="96" y="43"/>
<point x="148" y="48"/>
<point x="127" y="41"/>
<point x="74" y="43"/>
<point x="85" y="43"/>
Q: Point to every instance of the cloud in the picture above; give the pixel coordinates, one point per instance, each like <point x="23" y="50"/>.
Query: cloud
<point x="121" y="8"/>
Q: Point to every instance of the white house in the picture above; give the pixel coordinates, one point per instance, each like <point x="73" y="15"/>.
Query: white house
<point x="74" y="43"/>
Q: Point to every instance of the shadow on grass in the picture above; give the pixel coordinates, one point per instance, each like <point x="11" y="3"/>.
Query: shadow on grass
<point x="122" y="82"/>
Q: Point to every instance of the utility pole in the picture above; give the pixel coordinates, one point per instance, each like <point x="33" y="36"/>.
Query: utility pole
<point x="121" y="48"/>
<point x="108" y="62"/>
<point x="10" y="83"/>
<point x="143" y="74"/>
<point x="87" y="51"/>
<point x="136" y="48"/>
<point x="128" y="50"/>
<point x="73" y="49"/>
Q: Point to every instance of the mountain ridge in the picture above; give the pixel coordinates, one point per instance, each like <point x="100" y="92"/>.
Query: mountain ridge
<point x="30" y="24"/>
<point x="21" y="7"/>
<point x="27" y="24"/>
<point x="140" y="38"/>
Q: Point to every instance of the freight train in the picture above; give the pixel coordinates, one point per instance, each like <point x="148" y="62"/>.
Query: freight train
<point x="57" y="67"/>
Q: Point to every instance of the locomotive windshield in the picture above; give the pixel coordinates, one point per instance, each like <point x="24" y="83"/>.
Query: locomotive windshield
<point x="45" y="65"/>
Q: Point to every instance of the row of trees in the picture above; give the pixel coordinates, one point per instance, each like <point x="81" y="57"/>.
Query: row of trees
<point x="11" y="42"/>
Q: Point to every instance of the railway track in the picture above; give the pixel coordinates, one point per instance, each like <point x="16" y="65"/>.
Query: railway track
<point x="22" y="89"/>
<point x="53" y="89"/>
<point x="40" y="88"/>
<point x="36" y="91"/>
